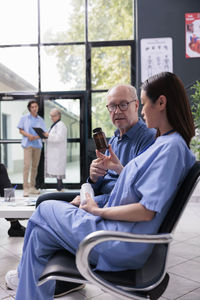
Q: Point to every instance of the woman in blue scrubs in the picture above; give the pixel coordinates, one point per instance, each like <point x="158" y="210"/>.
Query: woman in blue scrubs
<point x="138" y="203"/>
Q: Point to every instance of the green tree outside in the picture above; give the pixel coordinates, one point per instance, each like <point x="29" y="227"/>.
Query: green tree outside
<point x="107" y="20"/>
<point x="195" y="143"/>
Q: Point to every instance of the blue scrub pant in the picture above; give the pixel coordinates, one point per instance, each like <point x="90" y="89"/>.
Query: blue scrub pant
<point x="52" y="232"/>
<point x="37" y="251"/>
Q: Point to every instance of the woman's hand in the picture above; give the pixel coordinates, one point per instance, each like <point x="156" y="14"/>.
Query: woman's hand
<point x="76" y="201"/>
<point x="134" y="212"/>
<point x="110" y="162"/>
<point x="90" y="206"/>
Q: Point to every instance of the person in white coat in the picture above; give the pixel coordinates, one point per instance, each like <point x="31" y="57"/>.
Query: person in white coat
<point x="56" y="149"/>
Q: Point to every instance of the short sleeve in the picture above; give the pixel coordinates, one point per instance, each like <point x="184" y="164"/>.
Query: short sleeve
<point x="160" y="180"/>
<point x="21" y="123"/>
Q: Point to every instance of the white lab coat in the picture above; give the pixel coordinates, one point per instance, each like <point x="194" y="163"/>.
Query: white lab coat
<point x="56" y="151"/>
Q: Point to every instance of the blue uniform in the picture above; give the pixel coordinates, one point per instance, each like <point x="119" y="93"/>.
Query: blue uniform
<point x="151" y="179"/>
<point x="27" y="122"/>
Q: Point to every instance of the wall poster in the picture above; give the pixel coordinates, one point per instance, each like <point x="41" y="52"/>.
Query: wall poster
<point x="192" y="35"/>
<point x="156" y="56"/>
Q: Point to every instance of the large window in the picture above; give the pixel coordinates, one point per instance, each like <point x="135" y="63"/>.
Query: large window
<point x="50" y="49"/>
<point x="63" y="68"/>
<point x="19" y="22"/>
<point x="62" y="21"/>
<point x="110" y="20"/>
<point x="116" y="60"/>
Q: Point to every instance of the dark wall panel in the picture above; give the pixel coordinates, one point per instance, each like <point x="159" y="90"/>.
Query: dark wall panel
<point x="166" y="18"/>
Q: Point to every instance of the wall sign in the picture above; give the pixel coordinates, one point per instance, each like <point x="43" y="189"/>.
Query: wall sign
<point x="192" y="35"/>
<point x="156" y="56"/>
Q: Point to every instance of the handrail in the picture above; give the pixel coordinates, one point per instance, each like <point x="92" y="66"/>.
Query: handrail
<point x="93" y="239"/>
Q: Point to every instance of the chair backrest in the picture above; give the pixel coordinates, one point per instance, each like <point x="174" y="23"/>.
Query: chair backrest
<point x="182" y="196"/>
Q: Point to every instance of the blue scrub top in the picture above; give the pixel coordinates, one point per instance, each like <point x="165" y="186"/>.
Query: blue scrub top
<point x="151" y="179"/>
<point x="27" y="122"/>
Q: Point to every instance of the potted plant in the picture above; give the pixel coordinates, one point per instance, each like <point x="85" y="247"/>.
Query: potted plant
<point x="195" y="97"/>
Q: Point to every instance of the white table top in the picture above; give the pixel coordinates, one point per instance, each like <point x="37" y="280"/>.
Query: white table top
<point x="23" y="207"/>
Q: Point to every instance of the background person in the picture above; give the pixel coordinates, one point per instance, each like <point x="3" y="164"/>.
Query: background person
<point x="138" y="202"/>
<point x="32" y="145"/>
<point x="16" y="229"/>
<point x="56" y="149"/>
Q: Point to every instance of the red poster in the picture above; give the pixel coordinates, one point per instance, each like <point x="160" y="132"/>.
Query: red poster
<point x="192" y="35"/>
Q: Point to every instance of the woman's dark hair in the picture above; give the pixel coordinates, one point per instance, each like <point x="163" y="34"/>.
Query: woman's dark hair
<point x="178" y="107"/>
<point x="30" y="103"/>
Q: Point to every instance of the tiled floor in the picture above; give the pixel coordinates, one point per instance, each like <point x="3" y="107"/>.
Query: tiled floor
<point x="183" y="264"/>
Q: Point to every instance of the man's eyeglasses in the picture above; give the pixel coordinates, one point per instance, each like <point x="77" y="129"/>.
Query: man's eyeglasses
<point x="122" y="106"/>
<point x="52" y="116"/>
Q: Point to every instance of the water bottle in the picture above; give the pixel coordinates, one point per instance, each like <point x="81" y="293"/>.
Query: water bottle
<point x="86" y="188"/>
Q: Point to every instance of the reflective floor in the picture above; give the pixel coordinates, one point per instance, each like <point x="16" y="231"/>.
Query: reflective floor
<point x="183" y="264"/>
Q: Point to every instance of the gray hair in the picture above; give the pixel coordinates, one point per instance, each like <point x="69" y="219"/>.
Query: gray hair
<point x="56" y="111"/>
<point x="132" y="90"/>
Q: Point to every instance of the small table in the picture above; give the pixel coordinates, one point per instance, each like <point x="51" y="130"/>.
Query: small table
<point x="22" y="208"/>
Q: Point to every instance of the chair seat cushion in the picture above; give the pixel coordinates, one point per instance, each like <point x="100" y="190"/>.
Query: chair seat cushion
<point x="63" y="264"/>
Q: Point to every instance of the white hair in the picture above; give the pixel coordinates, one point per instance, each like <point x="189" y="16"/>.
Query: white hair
<point x="56" y="111"/>
<point x="132" y="90"/>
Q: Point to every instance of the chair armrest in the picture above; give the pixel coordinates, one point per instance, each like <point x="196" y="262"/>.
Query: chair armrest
<point x="93" y="239"/>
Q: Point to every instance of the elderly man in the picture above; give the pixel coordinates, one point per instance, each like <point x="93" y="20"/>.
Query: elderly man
<point x="130" y="139"/>
<point x="56" y="149"/>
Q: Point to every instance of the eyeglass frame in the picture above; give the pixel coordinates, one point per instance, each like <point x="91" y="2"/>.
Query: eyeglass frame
<point x="118" y="105"/>
<point x="52" y="116"/>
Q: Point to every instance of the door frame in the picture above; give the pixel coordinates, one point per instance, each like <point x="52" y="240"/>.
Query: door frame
<point x="83" y="140"/>
<point x="81" y="95"/>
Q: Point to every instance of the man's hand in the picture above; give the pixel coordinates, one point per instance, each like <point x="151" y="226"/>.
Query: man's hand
<point x="110" y="162"/>
<point x="97" y="169"/>
<point x="32" y="137"/>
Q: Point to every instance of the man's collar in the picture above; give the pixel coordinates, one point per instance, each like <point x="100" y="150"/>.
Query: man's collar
<point x="131" y="133"/>
<point x="32" y="115"/>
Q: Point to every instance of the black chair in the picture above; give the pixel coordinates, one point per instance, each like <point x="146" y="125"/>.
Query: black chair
<point x="151" y="280"/>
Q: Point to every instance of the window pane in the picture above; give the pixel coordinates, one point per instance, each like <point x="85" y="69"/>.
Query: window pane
<point x="110" y="20"/>
<point x="110" y="66"/>
<point x="63" y="68"/>
<point x="73" y="163"/>
<point x="70" y="114"/>
<point x="18" y="22"/>
<point x="18" y="69"/>
<point x="11" y="112"/>
<point x="72" y="172"/>
<point x="12" y="156"/>
<point x="62" y="21"/>
<point x="100" y="114"/>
